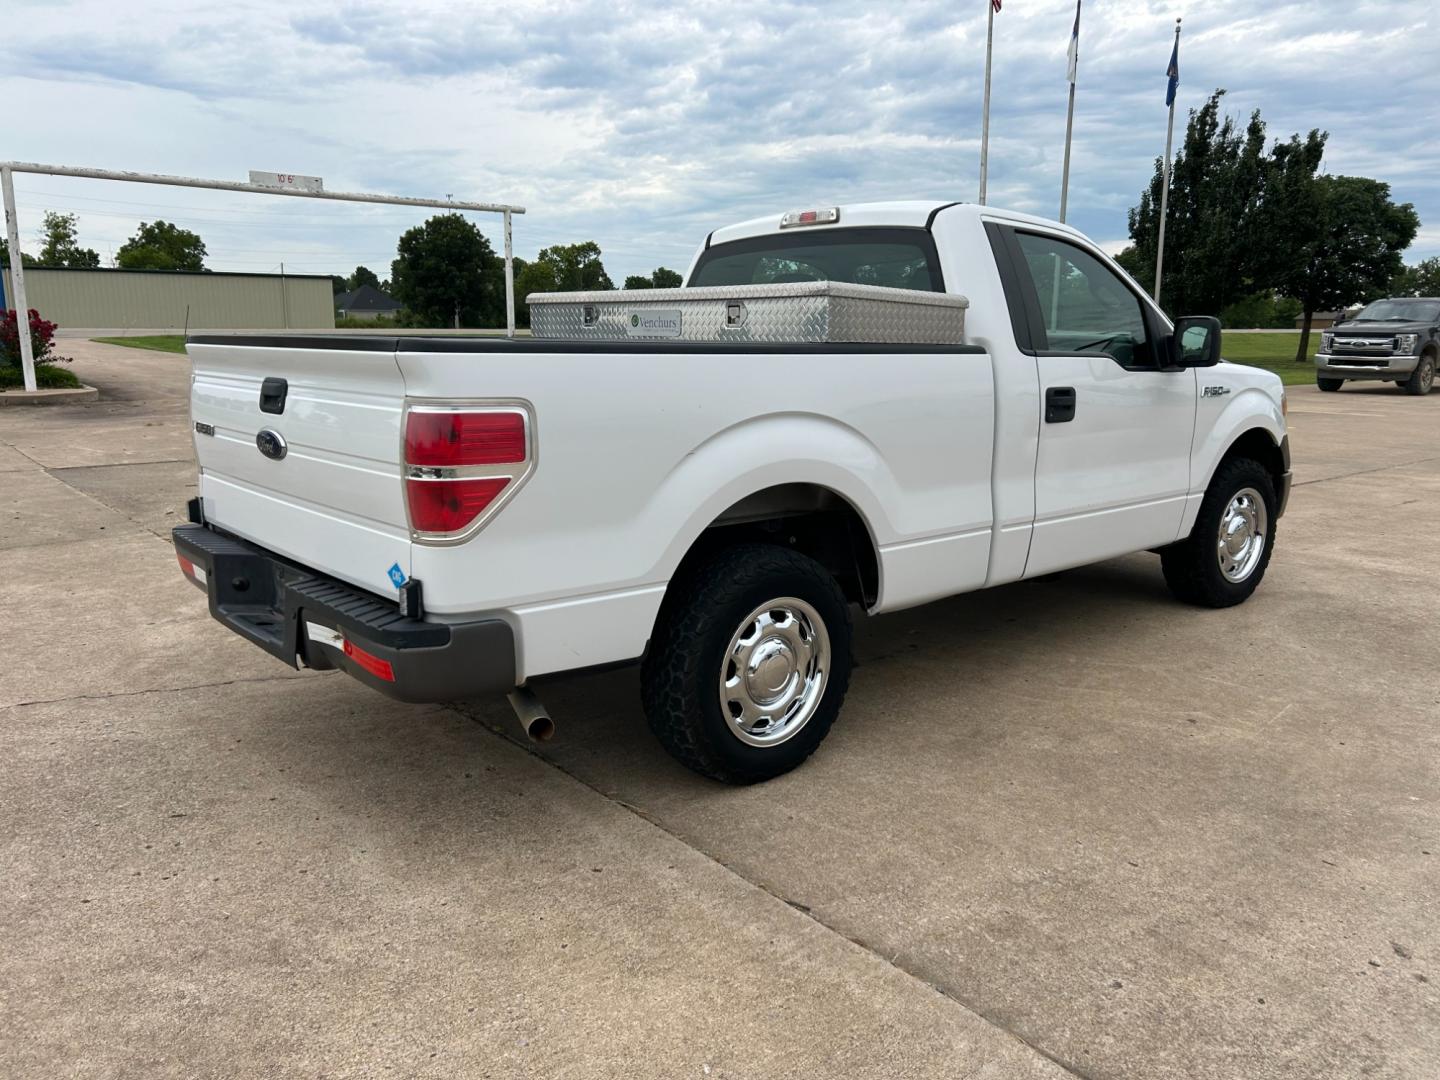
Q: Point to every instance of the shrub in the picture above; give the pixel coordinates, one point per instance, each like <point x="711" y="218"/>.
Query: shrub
<point x="380" y="322"/>
<point x="42" y="340"/>
<point x="47" y="377"/>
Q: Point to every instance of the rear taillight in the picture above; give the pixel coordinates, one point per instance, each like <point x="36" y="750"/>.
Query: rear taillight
<point x="461" y="464"/>
<point x="457" y="438"/>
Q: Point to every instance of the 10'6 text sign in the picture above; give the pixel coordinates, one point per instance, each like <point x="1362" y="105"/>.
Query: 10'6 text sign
<point x="287" y="180"/>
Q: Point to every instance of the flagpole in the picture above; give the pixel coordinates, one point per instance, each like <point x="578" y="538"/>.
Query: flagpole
<point x="1065" y="178"/>
<point x="1070" y="114"/>
<point x="1165" y="184"/>
<point x="985" y="114"/>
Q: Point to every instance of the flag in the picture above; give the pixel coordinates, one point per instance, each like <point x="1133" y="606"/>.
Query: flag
<point x="1174" y="72"/>
<point x="996" y="5"/>
<point x="1074" y="46"/>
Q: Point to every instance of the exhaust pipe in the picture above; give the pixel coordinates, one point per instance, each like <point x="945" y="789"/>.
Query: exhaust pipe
<point x="533" y="716"/>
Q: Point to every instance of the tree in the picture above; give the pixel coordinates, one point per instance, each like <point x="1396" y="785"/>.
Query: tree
<point x="339" y="284"/>
<point x="162" y="246"/>
<point x="60" y="247"/>
<point x="363" y="275"/>
<point x="660" y="278"/>
<point x="1263" y="311"/>
<point x="564" y="268"/>
<point x="26" y="259"/>
<point x="1353" y="251"/>
<point x="447" y="273"/>
<point x="1216" y="181"/>
<point x="1422" y="279"/>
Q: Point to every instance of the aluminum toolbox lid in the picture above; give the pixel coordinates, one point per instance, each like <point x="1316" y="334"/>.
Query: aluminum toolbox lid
<point x="782" y="291"/>
<point x="799" y="312"/>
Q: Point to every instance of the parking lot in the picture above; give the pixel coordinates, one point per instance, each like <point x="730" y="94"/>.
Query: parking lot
<point x="1066" y="827"/>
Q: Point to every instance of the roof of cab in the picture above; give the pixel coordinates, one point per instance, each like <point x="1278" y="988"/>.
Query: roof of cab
<point x="913" y="213"/>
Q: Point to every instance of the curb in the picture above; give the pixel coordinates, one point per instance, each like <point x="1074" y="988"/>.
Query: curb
<point x="64" y="396"/>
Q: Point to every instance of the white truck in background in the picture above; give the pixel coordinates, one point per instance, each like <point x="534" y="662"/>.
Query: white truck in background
<point x="448" y="517"/>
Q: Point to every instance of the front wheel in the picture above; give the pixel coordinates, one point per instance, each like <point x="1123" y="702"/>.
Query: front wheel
<point x="1330" y="385"/>
<point x="749" y="663"/>
<point x="1423" y="377"/>
<point x="1224" y="558"/>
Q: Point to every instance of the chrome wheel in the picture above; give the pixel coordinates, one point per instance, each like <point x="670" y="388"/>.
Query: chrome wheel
<point x="774" y="671"/>
<point x="1242" y="536"/>
<point x="1427" y="375"/>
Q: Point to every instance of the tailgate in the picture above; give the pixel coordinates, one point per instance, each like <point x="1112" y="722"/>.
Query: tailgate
<point x="325" y="488"/>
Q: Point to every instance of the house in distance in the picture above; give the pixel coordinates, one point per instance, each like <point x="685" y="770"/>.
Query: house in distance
<point x="366" y="302"/>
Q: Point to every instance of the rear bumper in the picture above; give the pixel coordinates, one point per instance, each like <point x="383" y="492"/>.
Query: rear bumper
<point x="1331" y="366"/>
<point x="296" y="614"/>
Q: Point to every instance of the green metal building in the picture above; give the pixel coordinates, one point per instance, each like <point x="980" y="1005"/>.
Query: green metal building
<point x="171" y="299"/>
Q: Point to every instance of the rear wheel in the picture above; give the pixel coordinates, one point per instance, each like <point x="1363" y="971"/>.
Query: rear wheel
<point x="1423" y="377"/>
<point x="749" y="663"/>
<point x="1224" y="558"/>
<point x="1330" y="385"/>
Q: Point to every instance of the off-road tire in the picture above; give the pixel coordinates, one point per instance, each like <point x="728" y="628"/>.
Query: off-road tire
<point x="679" y="675"/>
<point x="1329" y="385"/>
<point x="1423" y="377"/>
<point x="1191" y="567"/>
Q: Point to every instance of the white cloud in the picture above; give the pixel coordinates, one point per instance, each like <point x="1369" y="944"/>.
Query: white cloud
<point x="644" y="128"/>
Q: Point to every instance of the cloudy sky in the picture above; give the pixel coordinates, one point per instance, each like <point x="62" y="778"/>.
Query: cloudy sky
<point x="645" y="126"/>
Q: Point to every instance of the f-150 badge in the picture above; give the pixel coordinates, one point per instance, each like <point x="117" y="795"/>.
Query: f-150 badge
<point x="1214" y="391"/>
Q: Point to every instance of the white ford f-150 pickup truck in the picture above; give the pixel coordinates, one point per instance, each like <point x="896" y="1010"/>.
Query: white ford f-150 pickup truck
<point x="449" y="517"/>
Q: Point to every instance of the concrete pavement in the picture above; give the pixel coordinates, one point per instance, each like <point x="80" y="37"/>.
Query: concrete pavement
<point x="1063" y="827"/>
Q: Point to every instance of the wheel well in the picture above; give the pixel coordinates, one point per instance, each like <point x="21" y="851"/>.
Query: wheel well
<point x="808" y="518"/>
<point x="1257" y="445"/>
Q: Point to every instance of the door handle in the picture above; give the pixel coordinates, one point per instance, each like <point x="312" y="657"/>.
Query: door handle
<point x="272" y="395"/>
<point x="1059" y="404"/>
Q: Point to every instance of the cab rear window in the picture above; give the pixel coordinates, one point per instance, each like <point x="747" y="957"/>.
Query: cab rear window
<point x="895" y="258"/>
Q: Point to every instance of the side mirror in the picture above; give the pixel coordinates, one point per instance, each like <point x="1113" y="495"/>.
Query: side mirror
<point x="1195" y="342"/>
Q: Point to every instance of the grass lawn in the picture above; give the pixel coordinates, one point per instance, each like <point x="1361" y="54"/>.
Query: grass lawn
<point x="158" y="343"/>
<point x="1274" y="352"/>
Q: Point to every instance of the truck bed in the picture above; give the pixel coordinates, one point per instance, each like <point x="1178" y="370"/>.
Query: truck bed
<point x="640" y="446"/>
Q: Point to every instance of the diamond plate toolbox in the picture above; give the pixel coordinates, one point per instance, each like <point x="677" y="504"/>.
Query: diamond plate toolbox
<point x="794" y="312"/>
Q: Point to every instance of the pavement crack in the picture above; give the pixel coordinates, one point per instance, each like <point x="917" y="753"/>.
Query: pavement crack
<point x="889" y="960"/>
<point x="150" y="690"/>
<point x="111" y="464"/>
<point x="1363" y="472"/>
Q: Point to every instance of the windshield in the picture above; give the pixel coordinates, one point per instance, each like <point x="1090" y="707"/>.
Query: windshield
<point x="1400" y="311"/>
<point x="897" y="258"/>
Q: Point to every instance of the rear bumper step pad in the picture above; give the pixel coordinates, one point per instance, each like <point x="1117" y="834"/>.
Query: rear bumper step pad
<point x="268" y="600"/>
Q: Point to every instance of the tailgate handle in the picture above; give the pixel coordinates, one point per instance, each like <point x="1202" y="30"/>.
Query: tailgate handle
<point x="272" y="395"/>
<point x="1059" y="404"/>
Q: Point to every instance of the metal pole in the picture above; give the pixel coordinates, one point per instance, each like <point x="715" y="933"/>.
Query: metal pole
<point x="258" y="189"/>
<point x="1065" y="175"/>
<point x="509" y="280"/>
<point x="17" y="280"/>
<point x="1165" y="186"/>
<point x="284" y="300"/>
<point x="1073" y="73"/>
<point x="985" y="113"/>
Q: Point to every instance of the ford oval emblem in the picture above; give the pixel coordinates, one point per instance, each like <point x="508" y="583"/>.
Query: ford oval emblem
<point x="271" y="444"/>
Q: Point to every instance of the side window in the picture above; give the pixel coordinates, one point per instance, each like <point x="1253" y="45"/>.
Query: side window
<point x="1085" y="306"/>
